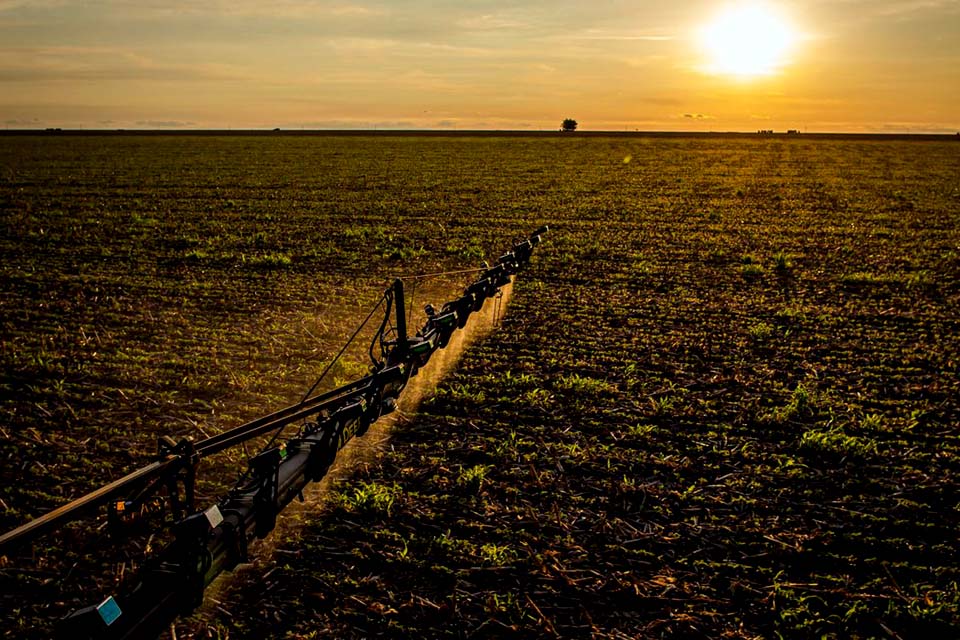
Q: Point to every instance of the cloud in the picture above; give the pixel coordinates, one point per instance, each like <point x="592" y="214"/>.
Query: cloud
<point x="859" y="12"/>
<point x="603" y="34"/>
<point x="346" y="123"/>
<point x="357" y="10"/>
<point x="697" y="116"/>
<point x="10" y="5"/>
<point x="663" y="101"/>
<point x="509" y="19"/>
<point x="163" y="8"/>
<point x="255" y="8"/>
<point x="912" y="127"/>
<point x="166" y="124"/>
<point x="904" y="8"/>
<point x="66" y="63"/>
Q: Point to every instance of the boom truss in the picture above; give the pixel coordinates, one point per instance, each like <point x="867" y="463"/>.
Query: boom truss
<point x="207" y="542"/>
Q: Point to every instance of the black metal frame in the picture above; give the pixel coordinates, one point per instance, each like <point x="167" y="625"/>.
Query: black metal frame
<point x="214" y="540"/>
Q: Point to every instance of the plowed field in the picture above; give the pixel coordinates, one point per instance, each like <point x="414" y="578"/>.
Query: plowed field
<point x="724" y="402"/>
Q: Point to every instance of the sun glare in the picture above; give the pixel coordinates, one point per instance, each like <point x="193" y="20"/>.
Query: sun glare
<point x="747" y="41"/>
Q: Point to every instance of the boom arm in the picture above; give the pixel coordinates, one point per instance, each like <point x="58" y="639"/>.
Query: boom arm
<point x="214" y="540"/>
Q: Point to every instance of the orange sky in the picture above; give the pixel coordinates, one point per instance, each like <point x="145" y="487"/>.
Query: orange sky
<point x="854" y="65"/>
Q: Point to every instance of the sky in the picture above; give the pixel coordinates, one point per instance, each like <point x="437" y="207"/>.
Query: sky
<point x="850" y="65"/>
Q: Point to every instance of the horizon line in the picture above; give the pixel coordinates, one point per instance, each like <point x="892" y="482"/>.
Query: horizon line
<point x="792" y="133"/>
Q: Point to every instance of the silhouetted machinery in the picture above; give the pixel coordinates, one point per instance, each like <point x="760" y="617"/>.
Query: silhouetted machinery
<point x="207" y="542"/>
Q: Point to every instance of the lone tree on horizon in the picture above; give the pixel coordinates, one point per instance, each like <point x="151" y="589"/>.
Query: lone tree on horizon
<point x="569" y="125"/>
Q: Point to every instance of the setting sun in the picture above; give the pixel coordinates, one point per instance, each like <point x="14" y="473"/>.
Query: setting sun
<point x="747" y="41"/>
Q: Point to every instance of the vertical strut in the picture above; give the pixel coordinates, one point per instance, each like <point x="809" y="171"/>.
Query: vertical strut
<point x="401" y="315"/>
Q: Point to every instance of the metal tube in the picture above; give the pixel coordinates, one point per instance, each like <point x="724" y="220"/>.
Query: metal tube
<point x="71" y="510"/>
<point x="401" y="314"/>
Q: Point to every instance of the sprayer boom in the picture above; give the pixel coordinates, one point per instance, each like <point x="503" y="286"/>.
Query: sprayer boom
<point x="215" y="539"/>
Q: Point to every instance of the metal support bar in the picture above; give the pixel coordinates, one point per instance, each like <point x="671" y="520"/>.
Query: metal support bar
<point x="401" y="306"/>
